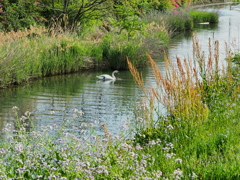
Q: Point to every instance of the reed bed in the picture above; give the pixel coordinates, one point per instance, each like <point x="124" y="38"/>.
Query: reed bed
<point x="34" y="53"/>
<point x="201" y="97"/>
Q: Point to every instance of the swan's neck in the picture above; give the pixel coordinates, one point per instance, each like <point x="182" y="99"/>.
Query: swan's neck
<point x="113" y="75"/>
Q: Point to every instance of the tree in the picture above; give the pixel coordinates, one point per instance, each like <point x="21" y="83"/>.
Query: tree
<point x="66" y="15"/>
<point x="17" y="14"/>
<point x="128" y="15"/>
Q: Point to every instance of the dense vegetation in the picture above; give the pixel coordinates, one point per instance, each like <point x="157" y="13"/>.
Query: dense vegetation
<point x="42" y="38"/>
<point x="197" y="139"/>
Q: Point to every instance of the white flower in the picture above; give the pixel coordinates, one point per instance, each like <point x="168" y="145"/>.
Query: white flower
<point x="178" y="173"/>
<point x="169" y="155"/>
<point x="193" y="175"/>
<point x="178" y="160"/>
<point x="75" y="116"/>
<point x="27" y="113"/>
<point x="169" y="127"/>
<point x="15" y="108"/>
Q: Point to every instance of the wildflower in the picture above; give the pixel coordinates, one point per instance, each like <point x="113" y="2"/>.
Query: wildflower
<point x="27" y="113"/>
<point x="158" y="141"/>
<point x="176" y="5"/>
<point x="138" y="147"/>
<point x="151" y="143"/>
<point x="158" y="174"/>
<point x="78" y="111"/>
<point x="193" y="175"/>
<point x="178" y="173"/>
<point x="40" y="176"/>
<point x="123" y="127"/>
<point x="170" y="127"/>
<point x="178" y="160"/>
<point x="169" y="155"/>
<point x="22" y="118"/>
<point x="170" y="145"/>
<point x="96" y="122"/>
<point x="75" y="116"/>
<point x="166" y="148"/>
<point x="14" y="108"/>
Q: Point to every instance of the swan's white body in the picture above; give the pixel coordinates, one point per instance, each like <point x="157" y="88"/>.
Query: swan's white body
<point x="108" y="77"/>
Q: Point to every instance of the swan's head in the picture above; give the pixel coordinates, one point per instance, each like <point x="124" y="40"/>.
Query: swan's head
<point x="116" y="71"/>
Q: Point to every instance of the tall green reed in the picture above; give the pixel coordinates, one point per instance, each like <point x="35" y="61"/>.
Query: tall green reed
<point x="24" y="57"/>
<point x="199" y="130"/>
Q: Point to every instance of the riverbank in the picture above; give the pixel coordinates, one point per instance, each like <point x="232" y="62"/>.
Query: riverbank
<point x="31" y="54"/>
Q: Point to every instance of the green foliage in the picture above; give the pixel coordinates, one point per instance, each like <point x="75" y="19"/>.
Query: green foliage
<point x="18" y="15"/>
<point x="161" y="5"/>
<point x="199" y="17"/>
<point x="128" y="19"/>
<point x="116" y="50"/>
<point x="236" y="59"/>
<point x="180" y="21"/>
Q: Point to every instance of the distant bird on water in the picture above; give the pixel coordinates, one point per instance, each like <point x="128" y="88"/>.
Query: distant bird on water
<point x="108" y="77"/>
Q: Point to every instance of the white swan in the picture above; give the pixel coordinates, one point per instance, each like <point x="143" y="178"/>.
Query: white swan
<point x="108" y="77"/>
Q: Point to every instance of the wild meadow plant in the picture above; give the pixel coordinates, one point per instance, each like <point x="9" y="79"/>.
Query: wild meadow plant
<point x="55" y="152"/>
<point x="201" y="129"/>
<point x="33" y="53"/>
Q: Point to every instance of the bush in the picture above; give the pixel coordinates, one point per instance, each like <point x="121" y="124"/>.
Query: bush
<point x="18" y="16"/>
<point x="116" y="50"/>
<point x="199" y="17"/>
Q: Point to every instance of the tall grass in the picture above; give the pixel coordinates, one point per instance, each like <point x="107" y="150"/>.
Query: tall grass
<point x="200" y="16"/>
<point x="32" y="53"/>
<point x="117" y="47"/>
<point x="202" y="100"/>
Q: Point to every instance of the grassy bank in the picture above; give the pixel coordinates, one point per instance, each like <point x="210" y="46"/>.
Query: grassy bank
<point x="34" y="53"/>
<point x="200" y="134"/>
<point x="198" y="139"/>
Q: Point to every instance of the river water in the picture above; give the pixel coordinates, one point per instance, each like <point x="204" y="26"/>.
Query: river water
<point x="53" y="100"/>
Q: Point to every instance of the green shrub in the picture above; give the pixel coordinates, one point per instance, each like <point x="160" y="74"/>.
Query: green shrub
<point x="200" y="16"/>
<point x="18" y="16"/>
<point x="236" y="59"/>
<point x="116" y="51"/>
